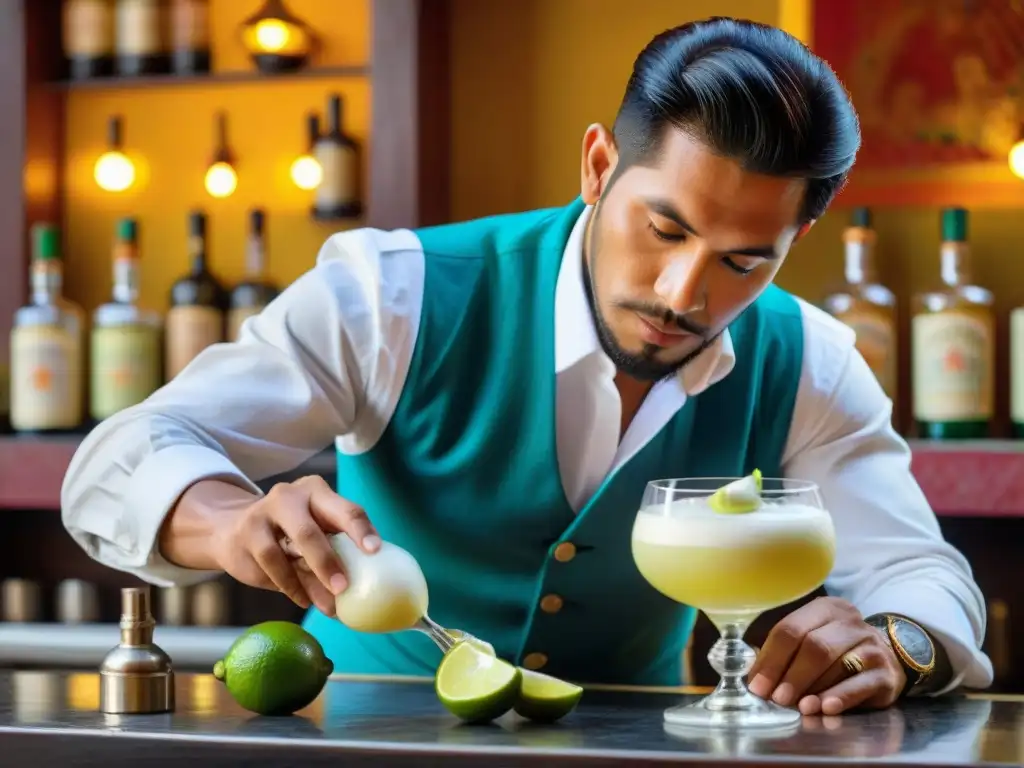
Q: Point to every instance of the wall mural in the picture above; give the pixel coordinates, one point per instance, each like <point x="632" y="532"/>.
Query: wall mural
<point x="939" y="87"/>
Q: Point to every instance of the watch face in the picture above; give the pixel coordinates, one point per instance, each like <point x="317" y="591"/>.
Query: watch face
<point x="915" y="644"/>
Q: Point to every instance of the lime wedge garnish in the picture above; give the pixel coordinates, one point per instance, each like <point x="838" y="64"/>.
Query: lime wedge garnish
<point x="739" y="496"/>
<point x="544" y="698"/>
<point x="475" y="686"/>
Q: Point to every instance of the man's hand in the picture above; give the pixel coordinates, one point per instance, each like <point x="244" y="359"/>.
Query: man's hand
<point x="802" y="661"/>
<point x="247" y="542"/>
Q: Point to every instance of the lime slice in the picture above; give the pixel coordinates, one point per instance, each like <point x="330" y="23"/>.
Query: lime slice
<point x="475" y="686"/>
<point x="739" y="496"/>
<point x="544" y="698"/>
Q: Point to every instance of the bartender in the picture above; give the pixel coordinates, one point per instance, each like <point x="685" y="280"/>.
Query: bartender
<point x="500" y="391"/>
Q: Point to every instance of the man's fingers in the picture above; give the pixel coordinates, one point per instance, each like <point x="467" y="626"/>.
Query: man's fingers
<point x="268" y="554"/>
<point x="819" y="652"/>
<point x="340" y="515"/>
<point x="321" y="596"/>
<point x="871" y="684"/>
<point x="782" y="643"/>
<point x="870" y="653"/>
<point x="307" y="539"/>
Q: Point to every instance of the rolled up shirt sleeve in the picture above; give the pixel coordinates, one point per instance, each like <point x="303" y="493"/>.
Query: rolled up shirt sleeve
<point x="891" y="556"/>
<point x="324" y="359"/>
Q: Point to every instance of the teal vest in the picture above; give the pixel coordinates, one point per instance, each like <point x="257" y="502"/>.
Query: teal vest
<point x="466" y="475"/>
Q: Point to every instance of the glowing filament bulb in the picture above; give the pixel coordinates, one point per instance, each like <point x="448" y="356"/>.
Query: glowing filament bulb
<point x="221" y="180"/>
<point x="307" y="172"/>
<point x="114" y="172"/>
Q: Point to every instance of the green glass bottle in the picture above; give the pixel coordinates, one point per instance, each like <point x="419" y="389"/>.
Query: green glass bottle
<point x="953" y="345"/>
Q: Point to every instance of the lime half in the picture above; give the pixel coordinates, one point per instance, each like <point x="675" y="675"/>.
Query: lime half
<point x="474" y="685"/>
<point x="739" y="496"/>
<point x="544" y="698"/>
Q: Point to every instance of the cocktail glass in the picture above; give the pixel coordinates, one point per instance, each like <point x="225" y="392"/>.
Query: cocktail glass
<point x="733" y="567"/>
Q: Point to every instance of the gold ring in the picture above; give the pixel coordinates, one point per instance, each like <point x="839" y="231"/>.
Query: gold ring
<point x="853" y="662"/>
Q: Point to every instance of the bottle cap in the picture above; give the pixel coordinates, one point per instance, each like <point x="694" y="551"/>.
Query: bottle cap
<point x="861" y="217"/>
<point x="45" y="242"/>
<point x="954" y="225"/>
<point x="256" y="221"/>
<point x="127" y="230"/>
<point x="197" y="224"/>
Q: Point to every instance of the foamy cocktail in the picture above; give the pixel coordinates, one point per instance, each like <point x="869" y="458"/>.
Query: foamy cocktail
<point x="733" y="548"/>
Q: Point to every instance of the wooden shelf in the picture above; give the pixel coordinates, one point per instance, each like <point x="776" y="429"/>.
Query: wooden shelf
<point x="960" y="479"/>
<point x="118" y="83"/>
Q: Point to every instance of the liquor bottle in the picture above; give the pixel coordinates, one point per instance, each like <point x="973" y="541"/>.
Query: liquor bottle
<point x="88" y="38"/>
<point x="126" y="364"/>
<point x="196" y="317"/>
<point x="865" y="305"/>
<point x="953" y="338"/>
<point x="1017" y="371"/>
<point x="139" y="37"/>
<point x="190" y="36"/>
<point x="47" y="376"/>
<point x="337" y="196"/>
<point x="255" y="292"/>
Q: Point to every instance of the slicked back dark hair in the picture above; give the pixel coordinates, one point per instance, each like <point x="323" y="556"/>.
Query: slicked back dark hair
<point x="752" y="93"/>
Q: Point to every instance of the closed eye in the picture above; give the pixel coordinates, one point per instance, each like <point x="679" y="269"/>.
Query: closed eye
<point x="666" y="236"/>
<point x="735" y="267"/>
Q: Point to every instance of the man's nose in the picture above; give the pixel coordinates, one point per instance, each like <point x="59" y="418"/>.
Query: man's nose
<point x="681" y="284"/>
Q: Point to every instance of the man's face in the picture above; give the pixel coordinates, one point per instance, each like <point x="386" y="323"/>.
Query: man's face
<point x="675" y="252"/>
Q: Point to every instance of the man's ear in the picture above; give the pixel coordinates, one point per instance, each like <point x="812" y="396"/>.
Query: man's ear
<point x="597" y="163"/>
<point x="804" y="229"/>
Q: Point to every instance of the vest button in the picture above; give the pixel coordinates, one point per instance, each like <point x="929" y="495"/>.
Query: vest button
<point x="535" y="660"/>
<point x="565" y="552"/>
<point x="551" y="603"/>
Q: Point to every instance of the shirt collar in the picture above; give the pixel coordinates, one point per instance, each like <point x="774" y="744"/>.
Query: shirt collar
<point x="576" y="335"/>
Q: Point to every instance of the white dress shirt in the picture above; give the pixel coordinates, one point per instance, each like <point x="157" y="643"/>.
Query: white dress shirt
<point x="327" y="361"/>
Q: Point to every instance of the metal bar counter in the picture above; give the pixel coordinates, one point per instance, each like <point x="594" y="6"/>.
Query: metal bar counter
<point x="52" y="718"/>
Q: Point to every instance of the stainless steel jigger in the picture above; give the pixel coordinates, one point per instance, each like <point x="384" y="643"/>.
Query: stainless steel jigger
<point x="136" y="675"/>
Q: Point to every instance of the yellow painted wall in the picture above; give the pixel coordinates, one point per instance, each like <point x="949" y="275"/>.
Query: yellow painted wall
<point x="530" y="75"/>
<point x="171" y="131"/>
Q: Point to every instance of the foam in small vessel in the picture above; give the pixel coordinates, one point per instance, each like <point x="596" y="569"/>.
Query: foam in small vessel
<point x="692" y="523"/>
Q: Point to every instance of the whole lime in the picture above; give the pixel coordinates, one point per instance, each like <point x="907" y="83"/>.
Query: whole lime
<point x="274" y="668"/>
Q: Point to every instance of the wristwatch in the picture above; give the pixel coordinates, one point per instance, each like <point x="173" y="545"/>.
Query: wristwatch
<point x="911" y="644"/>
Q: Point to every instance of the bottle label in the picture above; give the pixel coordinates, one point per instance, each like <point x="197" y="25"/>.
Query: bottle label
<point x="876" y="342"/>
<point x="88" y="28"/>
<point x="5" y="388"/>
<point x="126" y="278"/>
<point x="1017" y="366"/>
<point x="125" y="367"/>
<point x="338" y="186"/>
<point x="953" y="367"/>
<point x="138" y="28"/>
<point x="46" y="379"/>
<point x="190" y="28"/>
<point x="238" y="316"/>
<point x="190" y="330"/>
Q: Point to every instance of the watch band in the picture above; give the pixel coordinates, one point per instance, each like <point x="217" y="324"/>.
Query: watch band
<point x="912" y="645"/>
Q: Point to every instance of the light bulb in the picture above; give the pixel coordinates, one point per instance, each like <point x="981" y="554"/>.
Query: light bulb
<point x="221" y="179"/>
<point x="1017" y="159"/>
<point x="272" y="35"/>
<point x="114" y="172"/>
<point x="307" y="172"/>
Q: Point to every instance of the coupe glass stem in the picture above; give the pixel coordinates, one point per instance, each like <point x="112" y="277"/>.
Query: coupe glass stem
<point x="732" y="659"/>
